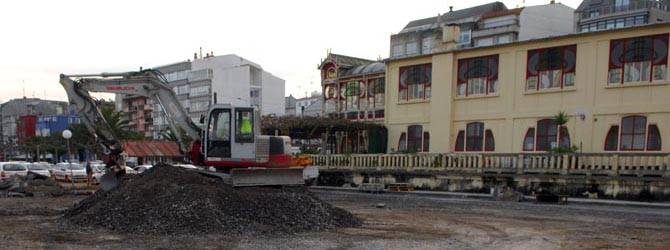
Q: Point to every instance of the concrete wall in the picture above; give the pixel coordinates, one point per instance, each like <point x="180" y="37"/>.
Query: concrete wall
<point x="545" y="20"/>
<point x="511" y="111"/>
<point x="638" y="189"/>
<point x="272" y="94"/>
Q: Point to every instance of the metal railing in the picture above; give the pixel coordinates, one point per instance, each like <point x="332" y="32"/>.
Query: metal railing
<point x="606" y="9"/>
<point x="589" y="164"/>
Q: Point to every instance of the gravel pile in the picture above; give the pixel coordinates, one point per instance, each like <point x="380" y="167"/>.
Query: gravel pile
<point x="171" y="200"/>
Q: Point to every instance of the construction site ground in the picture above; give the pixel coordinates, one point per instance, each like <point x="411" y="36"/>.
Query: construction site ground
<point x="391" y="221"/>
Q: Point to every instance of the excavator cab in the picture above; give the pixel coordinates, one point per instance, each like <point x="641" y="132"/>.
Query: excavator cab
<point x="233" y="144"/>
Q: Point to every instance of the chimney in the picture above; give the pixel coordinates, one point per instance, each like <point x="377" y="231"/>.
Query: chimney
<point x="451" y="8"/>
<point x="552" y="2"/>
<point x="195" y="56"/>
<point x="200" y="52"/>
<point x="450" y="37"/>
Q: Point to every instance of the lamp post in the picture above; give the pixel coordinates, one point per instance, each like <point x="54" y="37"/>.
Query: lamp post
<point x="67" y="134"/>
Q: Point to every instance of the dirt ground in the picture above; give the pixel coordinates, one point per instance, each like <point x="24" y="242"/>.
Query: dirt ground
<point x="405" y="222"/>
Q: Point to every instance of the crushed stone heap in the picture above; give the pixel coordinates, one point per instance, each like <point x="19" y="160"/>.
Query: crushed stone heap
<point x="172" y="200"/>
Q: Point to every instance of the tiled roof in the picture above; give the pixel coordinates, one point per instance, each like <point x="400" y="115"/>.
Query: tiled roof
<point x="345" y="61"/>
<point x="366" y="69"/>
<point x="151" y="148"/>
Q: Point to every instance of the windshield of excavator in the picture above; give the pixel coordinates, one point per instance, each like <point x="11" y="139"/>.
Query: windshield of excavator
<point x="218" y="133"/>
<point x="219" y="129"/>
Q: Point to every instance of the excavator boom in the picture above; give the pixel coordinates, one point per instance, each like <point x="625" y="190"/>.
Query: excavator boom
<point x="148" y="83"/>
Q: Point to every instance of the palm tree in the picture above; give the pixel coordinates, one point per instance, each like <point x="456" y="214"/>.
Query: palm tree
<point x="116" y="120"/>
<point x="118" y="123"/>
<point x="561" y="118"/>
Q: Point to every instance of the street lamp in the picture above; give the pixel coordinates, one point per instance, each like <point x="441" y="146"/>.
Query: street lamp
<point x="67" y="134"/>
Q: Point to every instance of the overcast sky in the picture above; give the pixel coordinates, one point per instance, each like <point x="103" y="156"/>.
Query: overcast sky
<point x="41" y="39"/>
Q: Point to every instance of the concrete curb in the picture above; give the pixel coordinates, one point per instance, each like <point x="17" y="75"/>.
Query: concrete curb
<point x="488" y="196"/>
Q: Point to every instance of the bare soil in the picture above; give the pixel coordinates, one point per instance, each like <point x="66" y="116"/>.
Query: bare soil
<point x="405" y="222"/>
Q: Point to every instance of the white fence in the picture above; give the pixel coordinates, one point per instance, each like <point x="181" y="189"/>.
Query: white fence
<point x="603" y="164"/>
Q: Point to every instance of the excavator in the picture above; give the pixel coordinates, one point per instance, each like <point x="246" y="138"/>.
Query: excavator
<point x="228" y="140"/>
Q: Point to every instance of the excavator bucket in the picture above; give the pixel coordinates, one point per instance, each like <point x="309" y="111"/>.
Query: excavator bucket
<point x="245" y="177"/>
<point x="109" y="181"/>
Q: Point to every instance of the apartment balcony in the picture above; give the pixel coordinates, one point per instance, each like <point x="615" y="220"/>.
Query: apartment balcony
<point x="198" y="94"/>
<point x="512" y="28"/>
<point x="608" y="9"/>
<point x="200" y="75"/>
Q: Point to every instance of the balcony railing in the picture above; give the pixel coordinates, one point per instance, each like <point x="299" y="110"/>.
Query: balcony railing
<point x="633" y="5"/>
<point x="589" y="164"/>
<point x="200" y="75"/>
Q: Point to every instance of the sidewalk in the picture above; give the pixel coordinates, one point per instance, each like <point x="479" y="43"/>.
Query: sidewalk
<point x="527" y="197"/>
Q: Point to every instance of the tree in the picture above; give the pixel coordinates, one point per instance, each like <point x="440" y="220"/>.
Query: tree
<point x="561" y="118"/>
<point x="118" y="123"/>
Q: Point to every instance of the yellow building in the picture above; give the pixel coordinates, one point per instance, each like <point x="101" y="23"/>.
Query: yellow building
<point x="613" y="85"/>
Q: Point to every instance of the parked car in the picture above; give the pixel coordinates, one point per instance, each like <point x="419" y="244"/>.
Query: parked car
<point x="39" y="168"/>
<point x="8" y="169"/>
<point x="63" y="172"/>
<point x="142" y="168"/>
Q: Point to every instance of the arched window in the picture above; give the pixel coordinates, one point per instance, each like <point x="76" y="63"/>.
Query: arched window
<point x="529" y="140"/>
<point x="547" y="133"/>
<point x="330" y="74"/>
<point x="402" y="144"/>
<point x="414" y="138"/>
<point x="612" y="139"/>
<point x="426" y="141"/>
<point x="475" y="136"/>
<point x="653" y="138"/>
<point x="633" y="131"/>
<point x="460" y="141"/>
<point x="490" y="143"/>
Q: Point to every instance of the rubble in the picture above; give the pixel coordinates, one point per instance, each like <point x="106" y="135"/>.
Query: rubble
<point x="31" y="185"/>
<point x="171" y="200"/>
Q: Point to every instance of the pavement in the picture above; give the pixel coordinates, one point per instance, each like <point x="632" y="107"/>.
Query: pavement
<point x="488" y="196"/>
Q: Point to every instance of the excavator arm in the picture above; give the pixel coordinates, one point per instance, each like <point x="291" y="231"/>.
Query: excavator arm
<point x="148" y="83"/>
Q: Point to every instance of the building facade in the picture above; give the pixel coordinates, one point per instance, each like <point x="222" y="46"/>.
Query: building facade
<point x="138" y="111"/>
<point x="307" y="106"/>
<point x="49" y="124"/>
<point x="11" y="110"/>
<point x="25" y="127"/>
<point x="207" y="80"/>
<point x="594" y="15"/>
<point x="483" y="25"/>
<point x="611" y="84"/>
<point x="289" y="105"/>
<point x="353" y="88"/>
